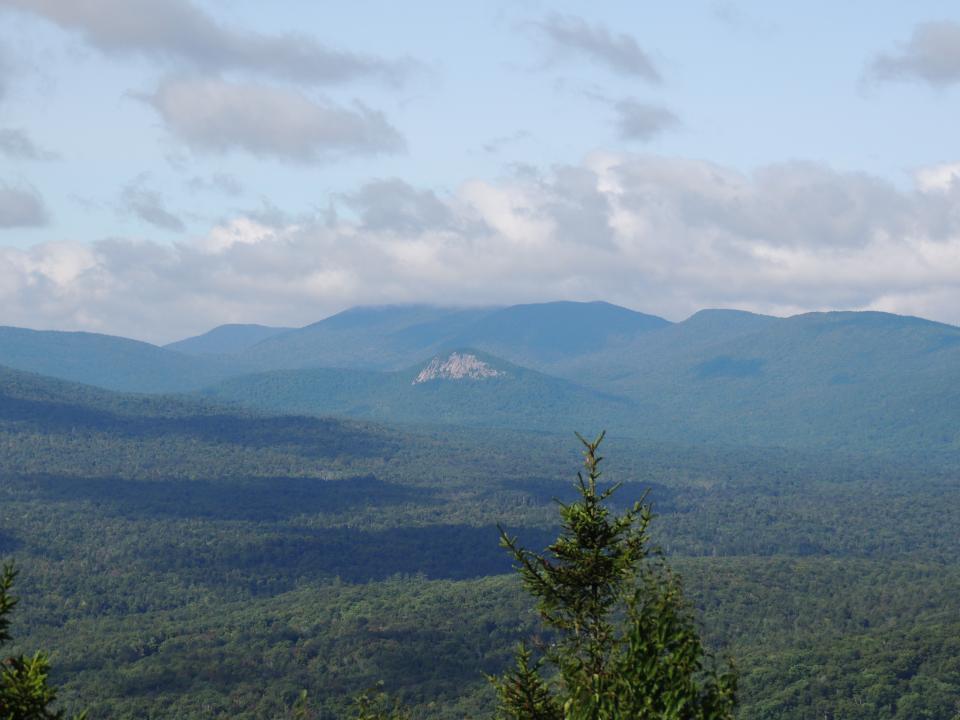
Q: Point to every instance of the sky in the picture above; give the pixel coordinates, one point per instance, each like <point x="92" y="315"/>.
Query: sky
<point x="167" y="166"/>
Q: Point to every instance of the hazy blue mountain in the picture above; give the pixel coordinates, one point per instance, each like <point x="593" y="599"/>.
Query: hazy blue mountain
<point x="856" y="380"/>
<point x="226" y="339"/>
<point x="107" y="361"/>
<point x="664" y="346"/>
<point x="545" y="333"/>
<point x="464" y="387"/>
<point x="838" y="378"/>
<point x="843" y="380"/>
<point x="395" y="337"/>
<point x="381" y="338"/>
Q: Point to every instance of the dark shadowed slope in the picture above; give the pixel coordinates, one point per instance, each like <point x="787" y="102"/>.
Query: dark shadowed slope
<point x="226" y="340"/>
<point x="120" y="426"/>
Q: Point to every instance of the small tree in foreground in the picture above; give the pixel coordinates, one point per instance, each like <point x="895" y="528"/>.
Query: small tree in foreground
<point x="625" y="644"/>
<point x="25" y="693"/>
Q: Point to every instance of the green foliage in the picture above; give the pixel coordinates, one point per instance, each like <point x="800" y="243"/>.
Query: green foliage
<point x="624" y="640"/>
<point x="375" y="704"/>
<point x="196" y="562"/>
<point x="25" y="692"/>
<point x="523" y="693"/>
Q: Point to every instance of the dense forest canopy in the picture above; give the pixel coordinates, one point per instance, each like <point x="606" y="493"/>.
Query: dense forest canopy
<point x="181" y="558"/>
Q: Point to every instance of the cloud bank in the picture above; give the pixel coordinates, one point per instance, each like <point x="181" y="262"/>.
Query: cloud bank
<point x="662" y="235"/>
<point x="179" y="31"/>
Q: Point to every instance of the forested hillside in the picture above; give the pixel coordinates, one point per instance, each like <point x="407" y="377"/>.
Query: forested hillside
<point x="508" y="396"/>
<point x="107" y="361"/>
<point x="187" y="559"/>
<point x="849" y="381"/>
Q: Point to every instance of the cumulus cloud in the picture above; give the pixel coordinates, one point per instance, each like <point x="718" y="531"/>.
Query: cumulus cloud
<point x="642" y="121"/>
<point x="394" y="205"/>
<point x="214" y="115"/>
<point x="662" y="235"/>
<point x="178" y="30"/>
<point x="619" y="52"/>
<point x="21" y="207"/>
<point x="16" y="144"/>
<point x="932" y="55"/>
<point x="938" y="178"/>
<point x="138" y="200"/>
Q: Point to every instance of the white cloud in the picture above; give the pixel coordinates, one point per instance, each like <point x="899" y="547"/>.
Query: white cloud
<point x="663" y="235"/>
<point x="178" y="30"/>
<point x="214" y="115"/>
<point x="938" y="178"/>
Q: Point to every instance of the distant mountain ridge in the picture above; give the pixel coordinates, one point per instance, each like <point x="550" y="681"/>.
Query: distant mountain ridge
<point x="394" y="337"/>
<point x="837" y="379"/>
<point x="463" y="387"/>
<point x="226" y="339"/>
<point x="107" y="361"/>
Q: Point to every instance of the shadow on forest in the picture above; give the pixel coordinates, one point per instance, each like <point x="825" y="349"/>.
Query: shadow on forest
<point x="313" y="437"/>
<point x="252" y="499"/>
<point x="8" y="543"/>
<point x="455" y="552"/>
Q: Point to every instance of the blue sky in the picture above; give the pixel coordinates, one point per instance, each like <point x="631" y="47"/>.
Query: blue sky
<point x="169" y="166"/>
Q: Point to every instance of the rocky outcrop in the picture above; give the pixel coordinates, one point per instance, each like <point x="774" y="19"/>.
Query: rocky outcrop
<point x="457" y="366"/>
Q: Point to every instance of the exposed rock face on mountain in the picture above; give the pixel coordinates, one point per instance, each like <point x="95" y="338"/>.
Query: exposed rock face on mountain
<point x="457" y="366"/>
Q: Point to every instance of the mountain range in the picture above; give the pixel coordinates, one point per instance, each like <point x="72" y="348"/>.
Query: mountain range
<point x="855" y="380"/>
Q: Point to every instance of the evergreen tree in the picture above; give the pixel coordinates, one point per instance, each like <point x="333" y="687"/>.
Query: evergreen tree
<point x="25" y="693"/>
<point x="625" y="644"/>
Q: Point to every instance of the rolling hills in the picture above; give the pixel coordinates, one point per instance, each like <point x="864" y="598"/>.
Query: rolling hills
<point x="490" y="392"/>
<point x="856" y="380"/>
<point x="107" y="361"/>
<point x="395" y="337"/>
